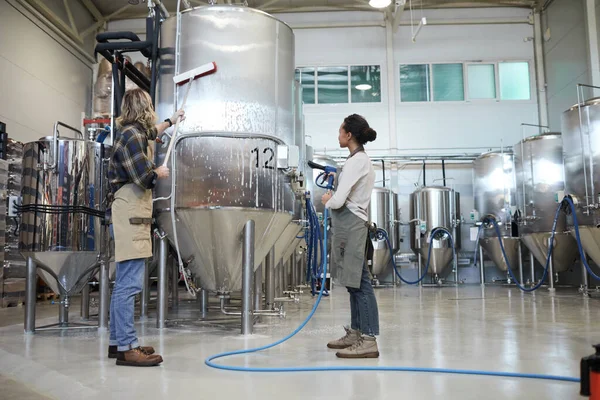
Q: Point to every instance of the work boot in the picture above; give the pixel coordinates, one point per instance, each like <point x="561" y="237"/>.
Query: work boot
<point x="112" y="350"/>
<point x="138" y="358"/>
<point x="365" y="347"/>
<point x="348" y="340"/>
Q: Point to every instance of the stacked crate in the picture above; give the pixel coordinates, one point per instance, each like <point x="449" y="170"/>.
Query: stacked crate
<point x="12" y="276"/>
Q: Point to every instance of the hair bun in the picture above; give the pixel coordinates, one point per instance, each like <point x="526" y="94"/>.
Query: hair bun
<point x="369" y="135"/>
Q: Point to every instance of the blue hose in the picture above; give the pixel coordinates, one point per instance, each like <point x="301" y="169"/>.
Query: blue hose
<point x="210" y="360"/>
<point x="431" y="238"/>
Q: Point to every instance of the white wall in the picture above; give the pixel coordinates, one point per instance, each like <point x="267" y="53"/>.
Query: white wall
<point x="566" y="56"/>
<point x="422" y="125"/>
<point x="40" y="80"/>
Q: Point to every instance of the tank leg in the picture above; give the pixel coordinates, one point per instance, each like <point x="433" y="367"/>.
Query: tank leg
<point x="258" y="280"/>
<point x="584" y="279"/>
<point x="551" y="269"/>
<point x="520" y="255"/>
<point x="63" y="310"/>
<point x="174" y="282"/>
<point x="481" y="266"/>
<point x="270" y="279"/>
<point x="294" y="271"/>
<point x="247" y="275"/>
<point x="85" y="302"/>
<point x="532" y="268"/>
<point x="104" y="288"/>
<point x="162" y="299"/>
<point x="420" y="269"/>
<point x="145" y="295"/>
<point x="30" y="296"/>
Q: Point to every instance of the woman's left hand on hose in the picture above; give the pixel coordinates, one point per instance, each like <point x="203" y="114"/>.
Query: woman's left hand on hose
<point x="326" y="197"/>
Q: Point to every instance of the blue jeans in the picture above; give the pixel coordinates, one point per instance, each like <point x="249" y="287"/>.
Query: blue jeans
<point x="128" y="283"/>
<point x="363" y="306"/>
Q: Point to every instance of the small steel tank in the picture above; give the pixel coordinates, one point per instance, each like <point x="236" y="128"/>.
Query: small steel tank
<point x="581" y="141"/>
<point x="383" y="212"/>
<point x="433" y="207"/>
<point x="64" y="189"/>
<point x="539" y="177"/>
<point x="494" y="190"/>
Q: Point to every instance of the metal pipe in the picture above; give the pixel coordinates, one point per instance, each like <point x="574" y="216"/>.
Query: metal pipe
<point x="104" y="288"/>
<point x="424" y="182"/>
<point x="30" y="295"/>
<point x="85" y="302"/>
<point x="481" y="266"/>
<point x="551" y="267"/>
<point x="203" y="301"/>
<point x="258" y="278"/>
<point x="270" y="279"/>
<point x="520" y="255"/>
<point x="247" y="274"/>
<point x="294" y="270"/>
<point x="383" y="171"/>
<point x="174" y="282"/>
<point x="444" y="172"/>
<point x="145" y="295"/>
<point x="161" y="309"/>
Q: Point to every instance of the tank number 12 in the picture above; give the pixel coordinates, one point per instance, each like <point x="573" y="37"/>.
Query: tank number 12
<point x="269" y="154"/>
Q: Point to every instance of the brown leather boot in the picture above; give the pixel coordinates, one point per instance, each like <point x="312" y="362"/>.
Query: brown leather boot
<point x="138" y="358"/>
<point x="112" y="350"/>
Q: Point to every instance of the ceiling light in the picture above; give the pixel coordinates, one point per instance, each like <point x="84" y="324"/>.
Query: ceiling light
<point x="363" y="86"/>
<point x="379" y="3"/>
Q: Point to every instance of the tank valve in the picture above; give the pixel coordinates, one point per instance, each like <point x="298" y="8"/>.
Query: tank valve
<point x="590" y="375"/>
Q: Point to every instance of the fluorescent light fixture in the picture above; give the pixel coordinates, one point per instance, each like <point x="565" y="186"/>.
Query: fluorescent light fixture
<point x="363" y="86"/>
<point x="379" y="3"/>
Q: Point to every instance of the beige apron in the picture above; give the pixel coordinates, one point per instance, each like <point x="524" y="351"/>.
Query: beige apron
<point x="131" y="219"/>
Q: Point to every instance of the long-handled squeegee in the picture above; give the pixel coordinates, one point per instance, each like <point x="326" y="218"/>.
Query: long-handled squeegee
<point x="189" y="76"/>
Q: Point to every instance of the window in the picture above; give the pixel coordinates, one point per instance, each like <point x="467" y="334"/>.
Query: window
<point x="514" y="81"/>
<point x="414" y="82"/>
<point x="340" y="84"/>
<point x="482" y="81"/>
<point x="307" y="80"/>
<point x="332" y="85"/>
<point x="448" y="82"/>
<point x="365" y="84"/>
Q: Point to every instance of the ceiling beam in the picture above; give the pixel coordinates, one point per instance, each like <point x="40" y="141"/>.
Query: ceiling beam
<point x="99" y="24"/>
<point x="91" y="7"/>
<point x="70" y="15"/>
<point x="267" y="4"/>
<point x="56" y="20"/>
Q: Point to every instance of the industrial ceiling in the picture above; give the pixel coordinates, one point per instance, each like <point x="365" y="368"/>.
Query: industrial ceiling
<point x="128" y="8"/>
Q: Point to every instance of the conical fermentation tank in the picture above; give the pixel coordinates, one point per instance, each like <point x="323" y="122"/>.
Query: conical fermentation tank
<point x="229" y="162"/>
<point x="383" y="212"/>
<point x="63" y="190"/>
<point x="581" y="141"/>
<point x="434" y="207"/>
<point x="540" y="176"/>
<point x="494" y="190"/>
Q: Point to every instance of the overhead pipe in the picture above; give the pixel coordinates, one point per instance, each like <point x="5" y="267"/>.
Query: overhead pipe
<point x="381" y="24"/>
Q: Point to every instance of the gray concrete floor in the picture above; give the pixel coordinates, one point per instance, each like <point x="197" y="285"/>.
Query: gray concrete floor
<point x="496" y="328"/>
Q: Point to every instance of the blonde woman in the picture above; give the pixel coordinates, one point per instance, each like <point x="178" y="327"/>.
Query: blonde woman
<point x="132" y="175"/>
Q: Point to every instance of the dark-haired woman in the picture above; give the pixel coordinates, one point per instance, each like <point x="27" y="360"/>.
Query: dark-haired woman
<point x="349" y="221"/>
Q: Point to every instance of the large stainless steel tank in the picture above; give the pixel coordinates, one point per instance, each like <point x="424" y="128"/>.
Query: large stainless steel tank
<point x="581" y="151"/>
<point x="433" y="207"/>
<point x="383" y="211"/>
<point x="225" y="158"/>
<point x="540" y="176"/>
<point x="494" y="190"/>
<point x="289" y="240"/>
<point x="317" y="192"/>
<point x="64" y="183"/>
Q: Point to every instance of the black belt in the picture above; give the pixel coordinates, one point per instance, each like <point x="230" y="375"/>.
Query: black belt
<point x="140" y="221"/>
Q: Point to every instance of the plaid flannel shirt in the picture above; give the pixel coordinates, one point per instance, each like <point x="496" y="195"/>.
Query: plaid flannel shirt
<point x="130" y="162"/>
